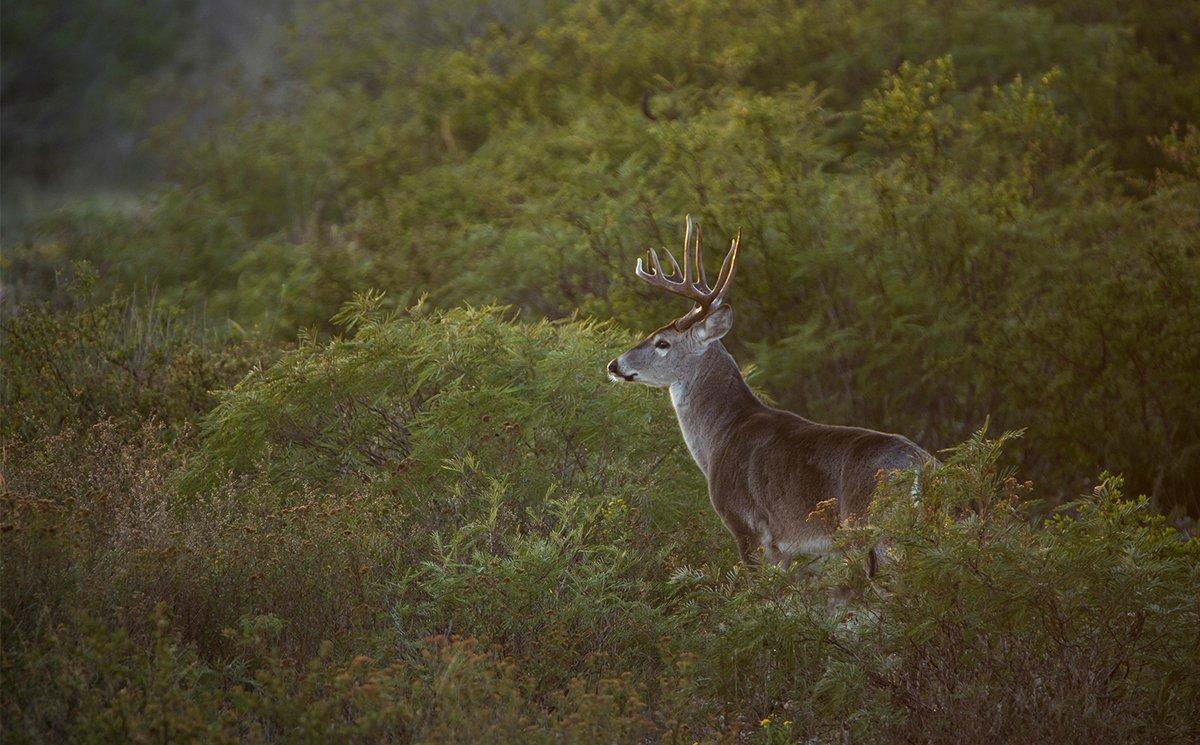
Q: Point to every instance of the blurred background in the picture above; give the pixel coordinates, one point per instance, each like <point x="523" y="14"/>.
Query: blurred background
<point x="953" y="212"/>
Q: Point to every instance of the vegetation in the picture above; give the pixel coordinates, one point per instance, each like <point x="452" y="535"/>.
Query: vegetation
<point x="445" y="526"/>
<point x="311" y="441"/>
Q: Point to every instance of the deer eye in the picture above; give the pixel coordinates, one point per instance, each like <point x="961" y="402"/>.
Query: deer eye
<point x="662" y="344"/>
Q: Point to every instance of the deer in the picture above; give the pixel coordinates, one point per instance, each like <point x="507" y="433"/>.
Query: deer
<point x="774" y="477"/>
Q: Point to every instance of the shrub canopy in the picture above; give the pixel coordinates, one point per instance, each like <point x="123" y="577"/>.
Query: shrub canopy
<point x="951" y="212"/>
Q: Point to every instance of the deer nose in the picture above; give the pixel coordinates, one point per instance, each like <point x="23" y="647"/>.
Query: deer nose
<point x="615" y="370"/>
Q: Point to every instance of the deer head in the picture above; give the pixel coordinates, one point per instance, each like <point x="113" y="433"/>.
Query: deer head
<point x="664" y="357"/>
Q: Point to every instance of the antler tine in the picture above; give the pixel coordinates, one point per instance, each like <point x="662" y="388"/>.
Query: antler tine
<point x="675" y="270"/>
<point x="697" y="252"/>
<point x="652" y="272"/>
<point x="688" y="232"/>
<point x="656" y="275"/>
<point x="728" y="268"/>
<point x="690" y="282"/>
<point x="654" y="262"/>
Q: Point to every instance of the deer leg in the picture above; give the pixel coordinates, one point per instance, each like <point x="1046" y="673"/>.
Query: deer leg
<point x="774" y="554"/>
<point x="747" y="542"/>
<point x="785" y="560"/>
<point x="747" y="546"/>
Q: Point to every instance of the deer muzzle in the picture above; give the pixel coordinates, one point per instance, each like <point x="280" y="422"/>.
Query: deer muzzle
<point x="614" y="372"/>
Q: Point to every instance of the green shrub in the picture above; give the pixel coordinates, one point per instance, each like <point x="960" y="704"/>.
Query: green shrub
<point x="431" y="522"/>
<point x="91" y="357"/>
<point x="994" y="625"/>
<point x="950" y="213"/>
<point x="465" y="399"/>
<point x="266" y="580"/>
<point x="985" y="624"/>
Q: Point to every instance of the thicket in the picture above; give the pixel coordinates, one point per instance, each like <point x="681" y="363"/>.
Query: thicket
<point x="247" y="497"/>
<point x="951" y="210"/>
<point x="447" y="526"/>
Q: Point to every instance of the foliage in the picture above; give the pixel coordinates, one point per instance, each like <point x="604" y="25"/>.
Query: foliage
<point x="254" y="499"/>
<point x="510" y="571"/>
<point x="1001" y="596"/>
<point x="83" y="358"/>
<point x="951" y="211"/>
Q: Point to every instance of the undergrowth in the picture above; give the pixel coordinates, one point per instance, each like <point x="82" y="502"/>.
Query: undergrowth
<point x="448" y="527"/>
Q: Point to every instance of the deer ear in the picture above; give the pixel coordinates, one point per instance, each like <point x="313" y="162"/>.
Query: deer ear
<point x="716" y="324"/>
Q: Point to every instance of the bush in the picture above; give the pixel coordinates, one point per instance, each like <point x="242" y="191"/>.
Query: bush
<point x="492" y="580"/>
<point x="949" y="214"/>
<point x="255" y="501"/>
<point x="88" y="357"/>
<point x="406" y="401"/>
<point x="993" y="625"/>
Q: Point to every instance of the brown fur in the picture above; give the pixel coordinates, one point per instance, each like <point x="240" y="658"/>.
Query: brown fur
<point x="776" y="468"/>
<point x="777" y="480"/>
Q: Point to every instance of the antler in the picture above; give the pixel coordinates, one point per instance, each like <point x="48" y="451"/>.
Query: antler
<point x="691" y="282"/>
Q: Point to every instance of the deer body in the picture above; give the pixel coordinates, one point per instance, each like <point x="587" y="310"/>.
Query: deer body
<point x="769" y="471"/>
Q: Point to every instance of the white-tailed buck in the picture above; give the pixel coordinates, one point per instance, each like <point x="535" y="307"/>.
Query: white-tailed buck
<point x="771" y="474"/>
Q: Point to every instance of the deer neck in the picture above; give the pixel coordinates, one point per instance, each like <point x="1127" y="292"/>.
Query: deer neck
<point x="709" y="401"/>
